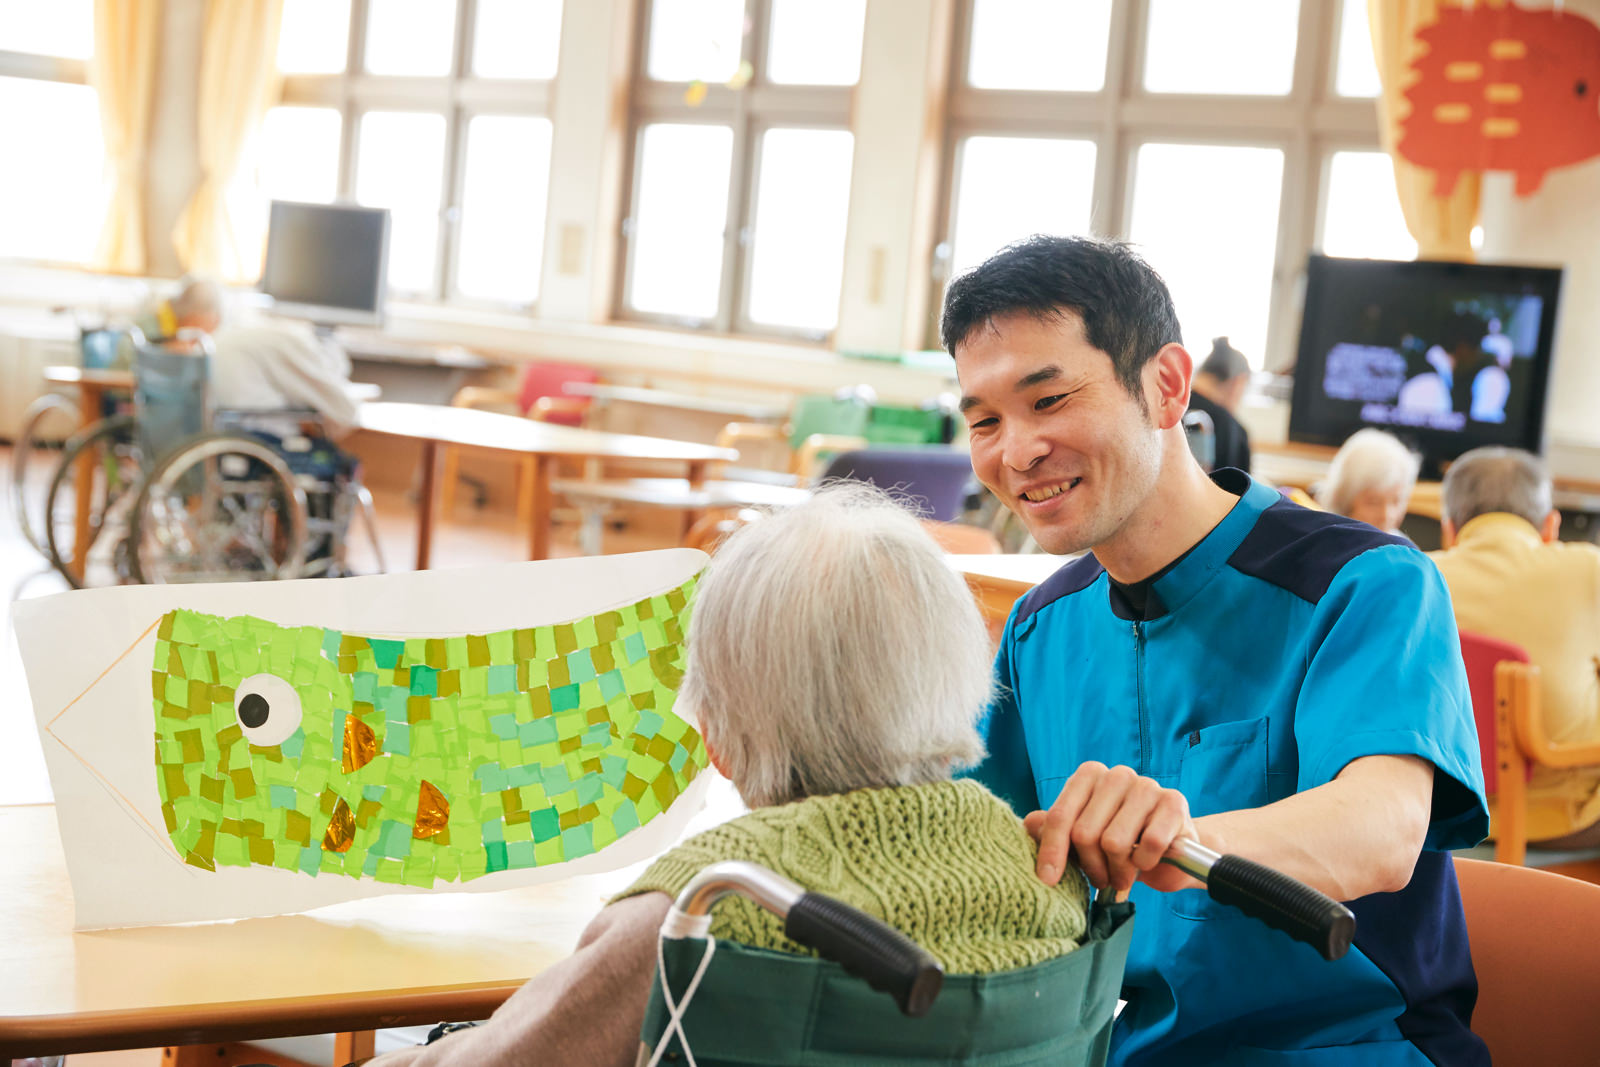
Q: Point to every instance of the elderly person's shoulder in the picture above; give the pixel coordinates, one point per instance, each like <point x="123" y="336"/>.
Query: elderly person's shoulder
<point x="947" y="863"/>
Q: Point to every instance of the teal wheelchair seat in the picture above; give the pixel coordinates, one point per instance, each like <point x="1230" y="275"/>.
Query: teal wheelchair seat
<point x="757" y="1006"/>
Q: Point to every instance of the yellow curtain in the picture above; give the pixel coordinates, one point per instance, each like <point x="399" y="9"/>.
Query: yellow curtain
<point x="1441" y="225"/>
<point x="122" y="71"/>
<point x="238" y="81"/>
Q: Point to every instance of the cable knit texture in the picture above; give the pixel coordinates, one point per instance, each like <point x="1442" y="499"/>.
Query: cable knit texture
<point x="947" y="864"/>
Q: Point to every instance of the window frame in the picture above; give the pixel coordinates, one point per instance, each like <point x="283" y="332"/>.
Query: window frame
<point x="1307" y="124"/>
<point x="459" y="96"/>
<point x="759" y="106"/>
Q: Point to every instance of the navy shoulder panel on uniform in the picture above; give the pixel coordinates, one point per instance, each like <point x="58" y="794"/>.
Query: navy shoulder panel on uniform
<point x="1075" y="577"/>
<point x="1301" y="550"/>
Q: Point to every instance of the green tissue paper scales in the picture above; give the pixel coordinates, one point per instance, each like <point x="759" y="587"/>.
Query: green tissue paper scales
<point x="418" y="761"/>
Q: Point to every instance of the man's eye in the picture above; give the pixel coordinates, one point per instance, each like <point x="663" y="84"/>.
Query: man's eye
<point x="983" y="424"/>
<point x="1046" y="402"/>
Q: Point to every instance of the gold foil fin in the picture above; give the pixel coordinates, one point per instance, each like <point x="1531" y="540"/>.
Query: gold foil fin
<point x="341" y="829"/>
<point x="360" y="744"/>
<point x="433" y="812"/>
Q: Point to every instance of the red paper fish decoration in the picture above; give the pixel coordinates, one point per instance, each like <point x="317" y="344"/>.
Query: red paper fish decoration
<point x="1501" y="87"/>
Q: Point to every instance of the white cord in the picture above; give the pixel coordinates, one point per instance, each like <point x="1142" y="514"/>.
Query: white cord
<point x="675" y="1012"/>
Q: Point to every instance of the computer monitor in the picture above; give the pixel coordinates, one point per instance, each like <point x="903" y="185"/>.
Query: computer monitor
<point x="1446" y="356"/>
<point x="327" y="263"/>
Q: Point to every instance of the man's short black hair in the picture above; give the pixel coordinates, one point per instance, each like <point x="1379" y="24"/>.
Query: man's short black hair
<point x="1126" y="310"/>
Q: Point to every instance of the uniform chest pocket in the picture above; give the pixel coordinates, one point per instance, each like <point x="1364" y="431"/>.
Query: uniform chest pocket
<point x="1223" y="769"/>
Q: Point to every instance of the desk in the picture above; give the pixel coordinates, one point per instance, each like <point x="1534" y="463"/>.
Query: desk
<point x="434" y="425"/>
<point x="997" y="581"/>
<point x="405" y="960"/>
<point x="661" y="398"/>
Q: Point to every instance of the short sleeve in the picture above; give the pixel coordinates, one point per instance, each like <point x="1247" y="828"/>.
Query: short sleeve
<point x="1006" y="770"/>
<point x="1384" y="677"/>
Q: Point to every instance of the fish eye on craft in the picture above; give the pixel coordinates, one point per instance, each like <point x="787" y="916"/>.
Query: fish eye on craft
<point x="268" y="709"/>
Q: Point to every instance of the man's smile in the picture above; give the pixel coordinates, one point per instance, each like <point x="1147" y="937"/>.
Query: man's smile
<point x="1039" y="494"/>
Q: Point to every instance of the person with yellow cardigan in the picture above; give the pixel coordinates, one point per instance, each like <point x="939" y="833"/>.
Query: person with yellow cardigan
<point x="1510" y="578"/>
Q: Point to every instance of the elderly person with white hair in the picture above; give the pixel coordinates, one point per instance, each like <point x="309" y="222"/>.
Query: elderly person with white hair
<point x="1370" y="480"/>
<point x="837" y="669"/>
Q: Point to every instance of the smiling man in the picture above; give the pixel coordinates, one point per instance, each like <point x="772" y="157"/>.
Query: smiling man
<point x="1223" y="665"/>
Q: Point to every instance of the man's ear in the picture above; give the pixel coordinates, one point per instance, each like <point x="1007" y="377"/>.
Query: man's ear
<point x="1550" y="528"/>
<point x="1167" y="379"/>
<point x="1447" y="534"/>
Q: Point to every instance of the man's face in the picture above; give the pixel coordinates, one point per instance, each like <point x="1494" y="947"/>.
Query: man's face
<point x="1054" y="434"/>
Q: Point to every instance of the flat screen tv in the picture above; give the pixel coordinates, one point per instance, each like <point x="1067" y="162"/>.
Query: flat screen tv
<point x="327" y="263"/>
<point x="1446" y="356"/>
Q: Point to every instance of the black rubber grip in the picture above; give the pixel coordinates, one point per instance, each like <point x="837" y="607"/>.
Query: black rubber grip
<point x="1303" y="913"/>
<point x="880" y="955"/>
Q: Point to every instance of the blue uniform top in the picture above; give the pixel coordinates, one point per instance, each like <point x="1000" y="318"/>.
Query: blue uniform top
<point x="1284" y="645"/>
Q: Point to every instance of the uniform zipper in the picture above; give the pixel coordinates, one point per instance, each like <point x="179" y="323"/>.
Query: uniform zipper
<point x="1144" y="715"/>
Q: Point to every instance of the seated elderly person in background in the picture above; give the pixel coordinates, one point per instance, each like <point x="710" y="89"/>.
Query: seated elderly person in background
<point x="197" y="305"/>
<point x="274" y="365"/>
<point x="1370" y="480"/>
<point x="1510" y="578"/>
<point x="837" y="668"/>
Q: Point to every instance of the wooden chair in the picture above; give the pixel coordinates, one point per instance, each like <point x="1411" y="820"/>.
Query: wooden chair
<point x="1512" y="736"/>
<point x="1532" y="938"/>
<point x="540" y="395"/>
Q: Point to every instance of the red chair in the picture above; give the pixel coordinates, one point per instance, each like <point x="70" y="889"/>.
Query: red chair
<point x="1511" y="736"/>
<point x="540" y="395"/>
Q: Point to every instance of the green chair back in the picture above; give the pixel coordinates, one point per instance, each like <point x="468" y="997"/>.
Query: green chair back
<point x="824" y="414"/>
<point x="756" y="1006"/>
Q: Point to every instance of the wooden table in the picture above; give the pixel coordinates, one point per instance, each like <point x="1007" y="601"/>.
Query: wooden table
<point x="434" y="425"/>
<point x="347" y="969"/>
<point x="998" y="580"/>
<point x="741" y="411"/>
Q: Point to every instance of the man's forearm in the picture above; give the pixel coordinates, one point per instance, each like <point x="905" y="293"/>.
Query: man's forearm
<point x="1360" y="833"/>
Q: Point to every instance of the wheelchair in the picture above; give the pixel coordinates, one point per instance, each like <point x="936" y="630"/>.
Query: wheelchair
<point x="176" y="493"/>
<point x="754" y="1006"/>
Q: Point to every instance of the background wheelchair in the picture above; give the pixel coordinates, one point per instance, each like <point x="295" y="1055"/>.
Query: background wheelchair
<point x="170" y="493"/>
<point x="753" y="1006"/>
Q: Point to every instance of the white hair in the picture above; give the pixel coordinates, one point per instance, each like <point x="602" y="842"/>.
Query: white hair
<point x="1369" y="459"/>
<point x="832" y="648"/>
<point x="1493" y="479"/>
<point x="197" y="294"/>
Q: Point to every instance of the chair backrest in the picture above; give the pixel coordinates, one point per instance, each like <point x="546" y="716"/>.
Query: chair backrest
<point x="1480" y="654"/>
<point x="844" y="417"/>
<point x="892" y="424"/>
<point x="935" y="478"/>
<point x="1532" y="938"/>
<point x="548" y="379"/>
<point x="171" y="394"/>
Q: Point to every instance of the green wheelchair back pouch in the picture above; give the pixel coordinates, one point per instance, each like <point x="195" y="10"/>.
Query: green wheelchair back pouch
<point x="756" y="1006"/>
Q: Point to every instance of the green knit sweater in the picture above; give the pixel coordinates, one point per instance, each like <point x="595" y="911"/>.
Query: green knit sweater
<point x="947" y="864"/>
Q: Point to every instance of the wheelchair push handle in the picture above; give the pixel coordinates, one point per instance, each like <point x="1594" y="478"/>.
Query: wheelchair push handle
<point x="1281" y="902"/>
<point x="867" y="947"/>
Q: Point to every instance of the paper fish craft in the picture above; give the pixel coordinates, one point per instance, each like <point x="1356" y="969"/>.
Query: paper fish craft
<point x="1502" y="87"/>
<point x="418" y="761"/>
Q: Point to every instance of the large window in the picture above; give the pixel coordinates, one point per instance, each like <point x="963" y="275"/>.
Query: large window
<point x="434" y="109"/>
<point x="1225" y="139"/>
<point x="52" y="202"/>
<point x="741" y="164"/>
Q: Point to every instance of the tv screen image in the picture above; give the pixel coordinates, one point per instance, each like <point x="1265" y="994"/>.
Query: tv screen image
<point x="1447" y="356"/>
<point x="328" y="263"/>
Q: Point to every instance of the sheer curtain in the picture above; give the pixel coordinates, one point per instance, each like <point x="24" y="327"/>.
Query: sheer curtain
<point x="1441" y="225"/>
<point x="122" y="71"/>
<point x="238" y="81"/>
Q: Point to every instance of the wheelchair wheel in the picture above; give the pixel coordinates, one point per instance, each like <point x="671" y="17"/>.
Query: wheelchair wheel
<point x="219" y="508"/>
<point x="111" y="452"/>
<point x="47" y="421"/>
